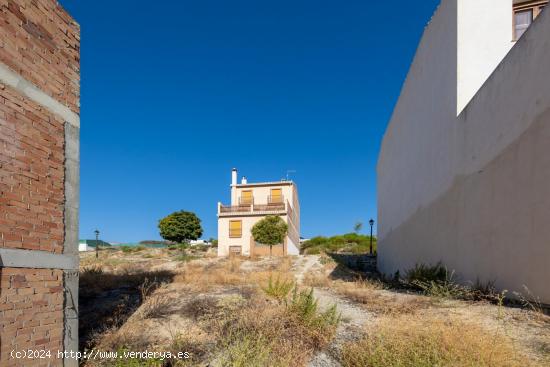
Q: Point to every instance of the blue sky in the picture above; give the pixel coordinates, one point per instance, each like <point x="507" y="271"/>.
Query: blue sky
<point x="176" y="93"/>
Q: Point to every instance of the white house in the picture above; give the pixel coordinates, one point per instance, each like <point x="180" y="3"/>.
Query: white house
<point x="251" y="202"/>
<point x="464" y="167"/>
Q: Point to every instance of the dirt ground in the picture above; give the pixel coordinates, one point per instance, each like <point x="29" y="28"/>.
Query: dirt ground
<point x="186" y="298"/>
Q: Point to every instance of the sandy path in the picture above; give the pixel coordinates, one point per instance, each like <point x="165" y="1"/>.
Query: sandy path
<point x="353" y="317"/>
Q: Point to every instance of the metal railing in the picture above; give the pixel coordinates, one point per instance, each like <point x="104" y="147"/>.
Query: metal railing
<point x="276" y="199"/>
<point x="250" y="208"/>
<point x="235" y="208"/>
<point x="246" y="200"/>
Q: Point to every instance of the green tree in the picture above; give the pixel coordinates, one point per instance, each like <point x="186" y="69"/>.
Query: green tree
<point x="270" y="231"/>
<point x="180" y="227"/>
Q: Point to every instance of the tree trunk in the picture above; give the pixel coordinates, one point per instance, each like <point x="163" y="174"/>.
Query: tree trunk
<point x="270" y="250"/>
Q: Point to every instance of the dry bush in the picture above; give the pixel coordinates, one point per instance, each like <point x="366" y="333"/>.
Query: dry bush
<point x="317" y="280"/>
<point x="192" y="341"/>
<point x="265" y="333"/>
<point x="375" y="299"/>
<point x="201" y="307"/>
<point x="425" y="341"/>
<point x="130" y="338"/>
<point x="156" y="307"/>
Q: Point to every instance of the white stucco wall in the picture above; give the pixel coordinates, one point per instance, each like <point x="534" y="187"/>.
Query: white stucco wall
<point x="423" y="119"/>
<point x="484" y="37"/>
<point x="472" y="191"/>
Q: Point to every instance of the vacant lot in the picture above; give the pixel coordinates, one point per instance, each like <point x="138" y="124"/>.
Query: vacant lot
<point x="301" y="311"/>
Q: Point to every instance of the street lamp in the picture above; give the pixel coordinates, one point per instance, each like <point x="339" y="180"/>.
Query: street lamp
<point x="371" y="222"/>
<point x="96" y="243"/>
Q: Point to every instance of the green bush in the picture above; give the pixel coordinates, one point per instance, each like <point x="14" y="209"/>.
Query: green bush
<point x="130" y="249"/>
<point x="427" y="273"/>
<point x="349" y="243"/>
<point x="278" y="289"/>
<point x="304" y="306"/>
<point x="200" y="248"/>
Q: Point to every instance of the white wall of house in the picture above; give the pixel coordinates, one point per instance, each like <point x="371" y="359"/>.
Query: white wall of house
<point x="472" y="191"/>
<point x="260" y="194"/>
<point x="225" y="241"/>
<point x="82" y="247"/>
<point x="484" y="37"/>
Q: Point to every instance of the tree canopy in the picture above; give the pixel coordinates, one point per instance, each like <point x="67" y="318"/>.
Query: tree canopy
<point x="270" y="231"/>
<point x="180" y="227"/>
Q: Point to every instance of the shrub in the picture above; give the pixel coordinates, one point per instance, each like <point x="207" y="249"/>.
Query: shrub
<point x="130" y="249"/>
<point x="304" y="306"/>
<point x="350" y="242"/>
<point x="248" y="350"/>
<point x="156" y="307"/>
<point x="201" y="248"/>
<point x="278" y="289"/>
<point x="427" y="273"/>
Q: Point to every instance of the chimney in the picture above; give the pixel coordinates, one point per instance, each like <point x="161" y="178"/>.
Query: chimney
<point x="244" y="181"/>
<point x="234" y="177"/>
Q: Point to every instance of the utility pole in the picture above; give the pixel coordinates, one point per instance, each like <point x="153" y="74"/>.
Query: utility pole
<point x="96" y="243"/>
<point x="371" y="222"/>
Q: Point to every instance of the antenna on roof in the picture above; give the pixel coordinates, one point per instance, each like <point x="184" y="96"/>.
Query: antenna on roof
<point x="288" y="172"/>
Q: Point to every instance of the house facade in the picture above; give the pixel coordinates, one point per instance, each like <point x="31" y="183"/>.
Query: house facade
<point x="251" y="202"/>
<point x="464" y="166"/>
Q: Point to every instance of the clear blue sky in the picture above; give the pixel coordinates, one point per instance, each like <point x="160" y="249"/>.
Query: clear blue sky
<point x="176" y="93"/>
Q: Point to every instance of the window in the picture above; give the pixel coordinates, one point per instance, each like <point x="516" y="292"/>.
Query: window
<point x="522" y="21"/>
<point x="524" y="15"/>
<point x="246" y="197"/>
<point x="276" y="196"/>
<point x="235" y="228"/>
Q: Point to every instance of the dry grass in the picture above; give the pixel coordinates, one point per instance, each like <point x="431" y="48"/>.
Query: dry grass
<point x="156" y="307"/>
<point x="200" y="277"/>
<point x="264" y="333"/>
<point x="379" y="301"/>
<point x="426" y="341"/>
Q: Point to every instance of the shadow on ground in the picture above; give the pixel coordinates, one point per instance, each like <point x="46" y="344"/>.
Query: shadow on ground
<point x="352" y="266"/>
<point x="107" y="300"/>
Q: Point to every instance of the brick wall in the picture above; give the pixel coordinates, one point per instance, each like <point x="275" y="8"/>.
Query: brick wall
<point x="41" y="42"/>
<point x="31" y="175"/>
<point x="31" y="314"/>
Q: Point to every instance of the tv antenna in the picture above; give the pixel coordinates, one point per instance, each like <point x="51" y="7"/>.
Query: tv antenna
<point x="288" y="173"/>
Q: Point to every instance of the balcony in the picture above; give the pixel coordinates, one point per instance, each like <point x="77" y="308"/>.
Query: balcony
<point x="274" y="205"/>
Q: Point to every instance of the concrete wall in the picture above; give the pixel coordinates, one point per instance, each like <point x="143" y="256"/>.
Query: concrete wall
<point x="39" y="180"/>
<point x="472" y="191"/>
<point x="484" y="37"/>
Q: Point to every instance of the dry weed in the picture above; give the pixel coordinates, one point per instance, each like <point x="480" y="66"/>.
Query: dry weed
<point x="156" y="307"/>
<point x="426" y="341"/>
<point x="266" y="333"/>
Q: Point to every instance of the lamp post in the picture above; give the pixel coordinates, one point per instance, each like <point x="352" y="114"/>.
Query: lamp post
<point x="96" y="243"/>
<point x="371" y="222"/>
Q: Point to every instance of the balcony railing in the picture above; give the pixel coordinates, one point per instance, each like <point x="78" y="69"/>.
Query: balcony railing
<point x="253" y="208"/>
<point x="246" y="200"/>
<point x="276" y="199"/>
<point x="235" y="208"/>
